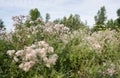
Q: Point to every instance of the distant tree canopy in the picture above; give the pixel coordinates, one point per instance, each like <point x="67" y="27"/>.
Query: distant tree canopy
<point x="47" y="17"/>
<point x="100" y="19"/>
<point x="110" y="24"/>
<point x="34" y="13"/>
<point x="118" y="19"/>
<point x="114" y="24"/>
<point x="73" y="22"/>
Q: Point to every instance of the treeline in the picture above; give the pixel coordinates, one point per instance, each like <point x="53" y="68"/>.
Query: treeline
<point x="73" y="21"/>
<point x="101" y="22"/>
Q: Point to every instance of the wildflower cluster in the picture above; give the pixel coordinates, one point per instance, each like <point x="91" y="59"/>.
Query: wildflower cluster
<point x="18" y="20"/>
<point x="55" y="29"/>
<point x="94" y="43"/>
<point x="19" y="29"/>
<point x="107" y="37"/>
<point x="28" y="32"/>
<point x="29" y="55"/>
<point x="110" y="69"/>
<point x="6" y="36"/>
<point x="21" y="20"/>
<point x="72" y="35"/>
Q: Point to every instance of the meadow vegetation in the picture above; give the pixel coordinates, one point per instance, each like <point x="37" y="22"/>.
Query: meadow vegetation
<point x="64" y="48"/>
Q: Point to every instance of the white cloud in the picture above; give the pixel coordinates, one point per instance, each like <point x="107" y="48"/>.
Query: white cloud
<point x="87" y="9"/>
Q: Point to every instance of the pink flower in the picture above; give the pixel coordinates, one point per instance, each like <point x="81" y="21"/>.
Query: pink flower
<point x="19" y="53"/>
<point x="42" y="52"/>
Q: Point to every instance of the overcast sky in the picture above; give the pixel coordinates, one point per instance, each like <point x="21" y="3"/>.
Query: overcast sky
<point x="87" y="9"/>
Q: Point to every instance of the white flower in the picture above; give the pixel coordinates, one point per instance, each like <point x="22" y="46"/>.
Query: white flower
<point x="42" y="52"/>
<point x="28" y="49"/>
<point x="28" y="36"/>
<point x="58" y="27"/>
<point x="39" y="19"/>
<point x="21" y="65"/>
<point x="43" y="44"/>
<point x="33" y="46"/>
<point x="66" y="29"/>
<point x="16" y="59"/>
<point x="50" y="49"/>
<point x="26" y="66"/>
<point x="10" y="52"/>
<point x="45" y="59"/>
<point x="48" y="64"/>
<point x="31" y="22"/>
<point x="30" y="56"/>
<point x="49" y="30"/>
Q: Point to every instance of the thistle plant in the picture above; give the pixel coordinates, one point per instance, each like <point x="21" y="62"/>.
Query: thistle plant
<point x="29" y="55"/>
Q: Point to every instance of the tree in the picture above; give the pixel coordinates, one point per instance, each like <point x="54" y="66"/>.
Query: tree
<point x="118" y="12"/>
<point x="76" y="21"/>
<point x="2" y="27"/>
<point x="100" y="19"/>
<point x="110" y="24"/>
<point x="73" y="22"/>
<point x="118" y="19"/>
<point x="34" y="13"/>
<point x="114" y="24"/>
<point x="35" y="18"/>
<point x="64" y="21"/>
<point x="57" y="21"/>
<point x="47" y="17"/>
